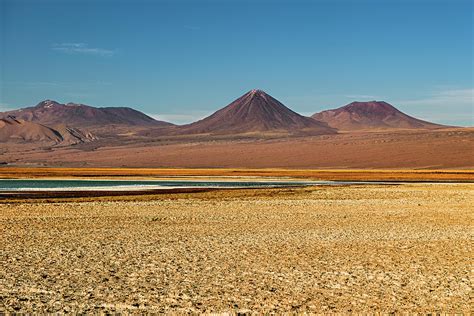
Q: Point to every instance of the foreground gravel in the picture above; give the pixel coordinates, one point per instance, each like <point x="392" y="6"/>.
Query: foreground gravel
<point x="328" y="249"/>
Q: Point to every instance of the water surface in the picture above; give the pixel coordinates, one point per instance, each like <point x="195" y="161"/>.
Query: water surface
<point x="97" y="185"/>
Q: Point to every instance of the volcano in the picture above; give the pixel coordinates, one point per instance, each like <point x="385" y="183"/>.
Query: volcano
<point x="256" y="112"/>
<point x="371" y="115"/>
<point x="50" y="112"/>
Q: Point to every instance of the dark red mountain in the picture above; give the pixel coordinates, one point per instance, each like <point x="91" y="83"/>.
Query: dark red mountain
<point x="79" y="115"/>
<point x="371" y="115"/>
<point x="254" y="113"/>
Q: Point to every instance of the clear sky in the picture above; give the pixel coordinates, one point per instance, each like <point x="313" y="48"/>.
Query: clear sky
<point x="181" y="60"/>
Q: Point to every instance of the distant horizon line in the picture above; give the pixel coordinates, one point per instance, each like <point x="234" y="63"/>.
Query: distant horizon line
<point x="178" y="119"/>
<point x="184" y="118"/>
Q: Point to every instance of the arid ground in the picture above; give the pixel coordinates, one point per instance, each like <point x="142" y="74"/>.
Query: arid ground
<point x="390" y="248"/>
<point x="418" y="149"/>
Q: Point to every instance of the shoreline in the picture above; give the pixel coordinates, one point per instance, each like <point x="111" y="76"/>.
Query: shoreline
<point x="403" y="175"/>
<point x="151" y="192"/>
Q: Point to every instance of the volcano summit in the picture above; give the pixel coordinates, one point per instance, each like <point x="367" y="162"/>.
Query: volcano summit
<point x="256" y="112"/>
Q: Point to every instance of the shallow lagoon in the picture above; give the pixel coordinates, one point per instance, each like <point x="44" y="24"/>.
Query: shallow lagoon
<point x="71" y="185"/>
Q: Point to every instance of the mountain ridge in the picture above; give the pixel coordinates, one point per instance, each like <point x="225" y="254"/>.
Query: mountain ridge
<point x="50" y="112"/>
<point x="14" y="129"/>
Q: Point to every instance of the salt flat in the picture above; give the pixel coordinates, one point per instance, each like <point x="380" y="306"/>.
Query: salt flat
<point x="394" y="248"/>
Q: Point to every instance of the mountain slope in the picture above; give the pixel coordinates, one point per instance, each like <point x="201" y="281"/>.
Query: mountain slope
<point x="371" y="115"/>
<point x="256" y="112"/>
<point x="14" y="130"/>
<point x="51" y="113"/>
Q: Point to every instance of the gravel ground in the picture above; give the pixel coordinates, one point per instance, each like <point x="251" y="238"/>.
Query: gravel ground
<point x="327" y="249"/>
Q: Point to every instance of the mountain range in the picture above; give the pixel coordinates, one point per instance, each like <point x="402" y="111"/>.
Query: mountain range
<point x="50" y="112"/>
<point x="254" y="114"/>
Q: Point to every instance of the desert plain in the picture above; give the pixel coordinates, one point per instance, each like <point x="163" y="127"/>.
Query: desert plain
<point x="407" y="149"/>
<point x="324" y="249"/>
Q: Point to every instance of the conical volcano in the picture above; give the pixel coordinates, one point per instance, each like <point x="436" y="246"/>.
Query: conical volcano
<point x="371" y="115"/>
<point x="256" y="112"/>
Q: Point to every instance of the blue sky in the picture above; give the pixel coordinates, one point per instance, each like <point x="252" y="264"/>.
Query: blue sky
<point x="181" y="60"/>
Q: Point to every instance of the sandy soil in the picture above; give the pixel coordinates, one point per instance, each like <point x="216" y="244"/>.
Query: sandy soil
<point x="450" y="148"/>
<point x="327" y="249"/>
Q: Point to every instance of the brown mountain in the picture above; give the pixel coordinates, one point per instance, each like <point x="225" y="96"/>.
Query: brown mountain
<point x="255" y="113"/>
<point x="83" y="116"/>
<point x="371" y="115"/>
<point x="14" y="130"/>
